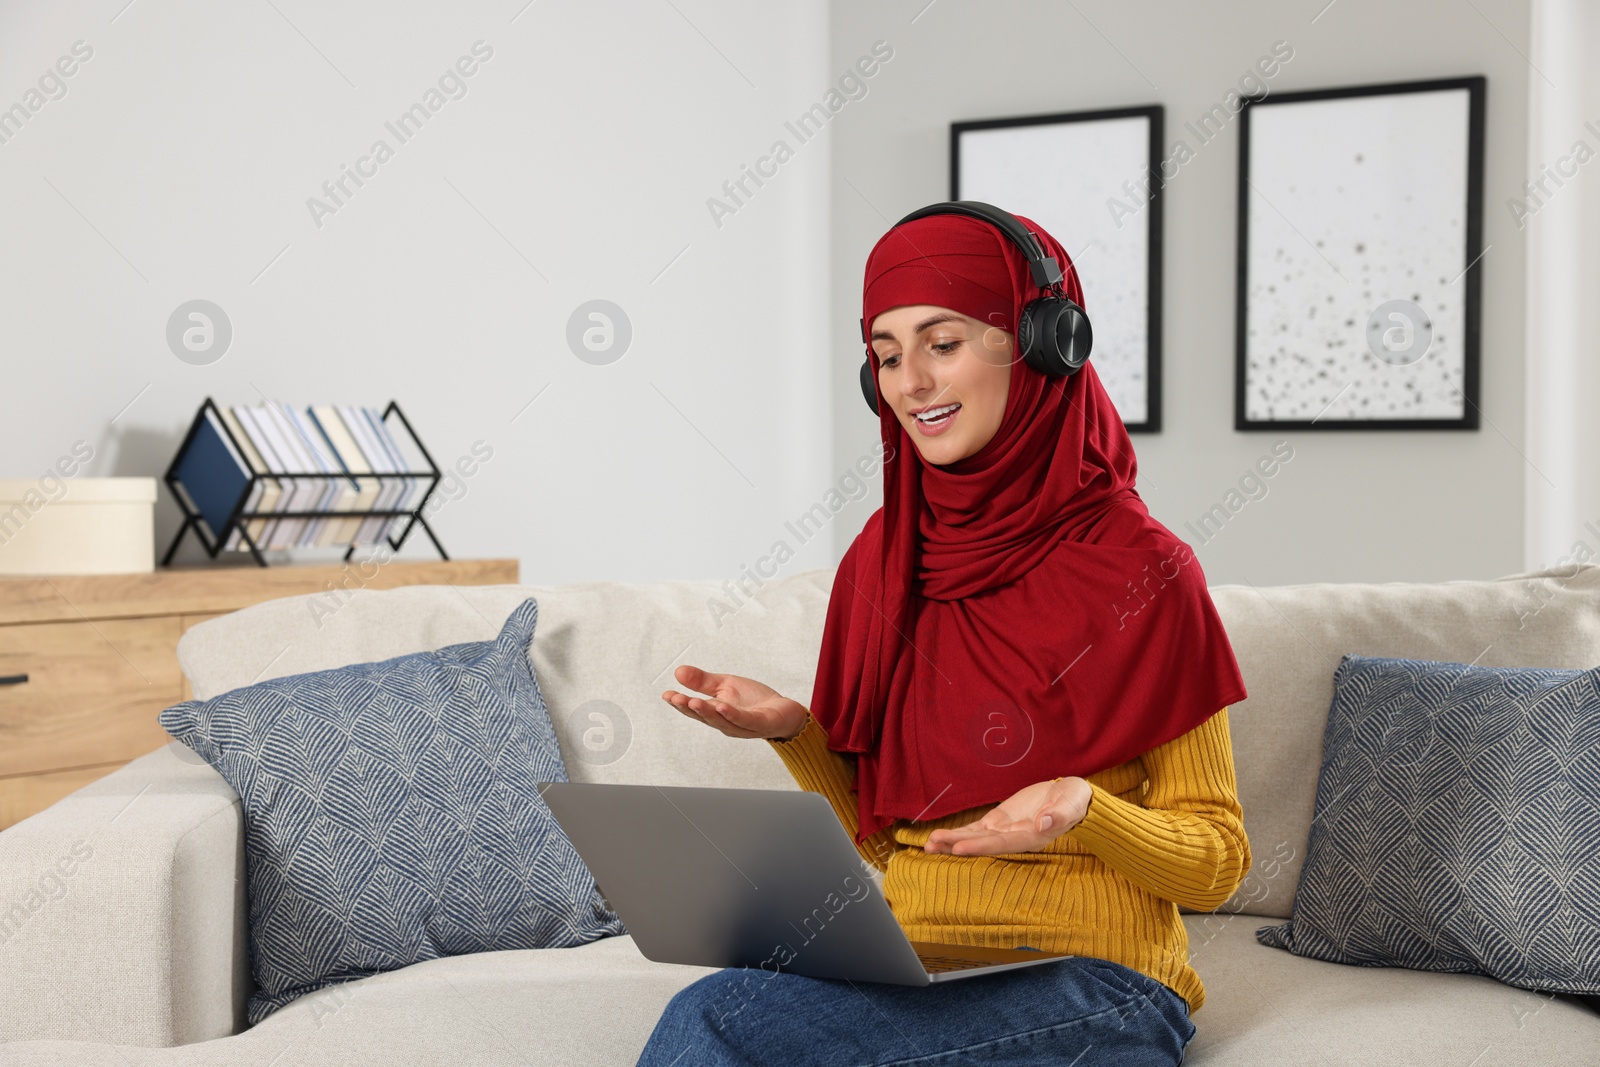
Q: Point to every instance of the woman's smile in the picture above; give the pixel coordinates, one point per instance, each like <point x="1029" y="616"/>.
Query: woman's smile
<point x="936" y="421"/>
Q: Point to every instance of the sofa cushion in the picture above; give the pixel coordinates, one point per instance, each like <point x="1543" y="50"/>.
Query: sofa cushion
<point x="391" y="814"/>
<point x="1456" y="825"/>
<point x="1289" y="640"/>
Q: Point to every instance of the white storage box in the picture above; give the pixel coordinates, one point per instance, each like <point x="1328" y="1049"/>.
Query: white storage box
<point x="77" y="525"/>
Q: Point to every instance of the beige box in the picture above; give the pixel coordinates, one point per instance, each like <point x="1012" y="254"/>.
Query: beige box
<point x="77" y="526"/>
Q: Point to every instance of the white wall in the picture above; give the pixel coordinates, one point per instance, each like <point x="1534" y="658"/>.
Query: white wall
<point x="180" y="160"/>
<point x="1376" y="506"/>
<point x="577" y="166"/>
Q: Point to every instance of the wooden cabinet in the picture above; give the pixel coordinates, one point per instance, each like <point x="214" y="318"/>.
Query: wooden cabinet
<point x="89" y="691"/>
<point x="87" y="662"/>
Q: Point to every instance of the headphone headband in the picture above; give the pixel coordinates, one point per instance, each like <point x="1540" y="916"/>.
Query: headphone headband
<point x="1046" y="271"/>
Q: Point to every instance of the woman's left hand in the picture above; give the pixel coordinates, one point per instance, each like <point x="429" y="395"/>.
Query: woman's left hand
<point x="1026" y="821"/>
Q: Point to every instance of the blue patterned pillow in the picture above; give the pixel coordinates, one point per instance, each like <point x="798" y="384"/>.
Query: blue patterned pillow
<point x="392" y="815"/>
<point x="1457" y="824"/>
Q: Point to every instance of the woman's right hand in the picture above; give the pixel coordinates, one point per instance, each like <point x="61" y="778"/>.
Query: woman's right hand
<point x="739" y="707"/>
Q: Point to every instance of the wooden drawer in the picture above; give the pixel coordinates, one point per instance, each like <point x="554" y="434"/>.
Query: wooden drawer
<point x="100" y="652"/>
<point x="93" y="692"/>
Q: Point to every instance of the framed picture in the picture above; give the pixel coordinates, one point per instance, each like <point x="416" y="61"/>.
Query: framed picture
<point x="1092" y="180"/>
<point x="1360" y="236"/>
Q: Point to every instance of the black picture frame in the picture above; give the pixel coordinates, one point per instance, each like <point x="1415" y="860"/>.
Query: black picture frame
<point x="1145" y="176"/>
<point x="1362" y="364"/>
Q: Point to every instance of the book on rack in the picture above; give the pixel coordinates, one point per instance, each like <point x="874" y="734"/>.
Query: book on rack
<point x="347" y="454"/>
<point x="271" y="490"/>
<point x="213" y="475"/>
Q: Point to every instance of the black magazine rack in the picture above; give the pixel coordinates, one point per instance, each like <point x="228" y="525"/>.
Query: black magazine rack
<point x="214" y="540"/>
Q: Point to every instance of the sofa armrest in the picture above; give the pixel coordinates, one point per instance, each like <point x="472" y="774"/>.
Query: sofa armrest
<point x="122" y="910"/>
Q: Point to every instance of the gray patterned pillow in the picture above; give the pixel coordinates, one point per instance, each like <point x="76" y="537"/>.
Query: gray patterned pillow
<point x="1457" y="824"/>
<point x="392" y="814"/>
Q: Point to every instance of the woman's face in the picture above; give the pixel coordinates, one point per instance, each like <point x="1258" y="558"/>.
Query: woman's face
<point x="932" y="358"/>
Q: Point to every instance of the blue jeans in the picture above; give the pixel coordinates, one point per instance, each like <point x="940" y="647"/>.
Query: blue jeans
<point x="1080" y="1011"/>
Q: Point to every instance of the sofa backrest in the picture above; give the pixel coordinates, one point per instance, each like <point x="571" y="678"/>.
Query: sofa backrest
<point x="1289" y="638"/>
<point x="604" y="652"/>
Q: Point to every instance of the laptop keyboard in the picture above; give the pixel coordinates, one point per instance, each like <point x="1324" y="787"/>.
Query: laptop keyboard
<point x="937" y="964"/>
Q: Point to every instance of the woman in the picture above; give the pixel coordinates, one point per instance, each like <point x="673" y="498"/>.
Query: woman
<point x="1020" y="709"/>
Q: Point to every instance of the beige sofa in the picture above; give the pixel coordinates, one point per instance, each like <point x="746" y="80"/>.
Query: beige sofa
<point x="123" y="930"/>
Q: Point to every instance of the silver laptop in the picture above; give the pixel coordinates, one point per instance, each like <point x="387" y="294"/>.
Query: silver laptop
<point x="751" y="878"/>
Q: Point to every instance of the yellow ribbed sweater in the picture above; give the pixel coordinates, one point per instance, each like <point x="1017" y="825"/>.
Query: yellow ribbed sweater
<point x="1162" y="829"/>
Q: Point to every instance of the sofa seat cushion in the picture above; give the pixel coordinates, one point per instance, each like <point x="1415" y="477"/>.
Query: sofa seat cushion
<point x="590" y="1004"/>
<point x="596" y="1004"/>
<point x="1266" y="1006"/>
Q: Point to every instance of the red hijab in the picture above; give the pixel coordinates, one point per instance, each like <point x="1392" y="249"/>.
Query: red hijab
<point x="1017" y="615"/>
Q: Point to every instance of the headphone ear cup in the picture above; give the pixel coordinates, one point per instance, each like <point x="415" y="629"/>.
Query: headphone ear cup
<point x="1074" y="337"/>
<point x="1028" y="337"/>
<point x="869" y="385"/>
<point x="1055" y="336"/>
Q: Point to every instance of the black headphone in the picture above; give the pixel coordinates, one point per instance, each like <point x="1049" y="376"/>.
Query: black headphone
<point x="1054" y="334"/>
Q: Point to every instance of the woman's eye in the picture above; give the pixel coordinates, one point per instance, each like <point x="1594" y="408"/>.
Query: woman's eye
<point x="947" y="347"/>
<point x="888" y="361"/>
